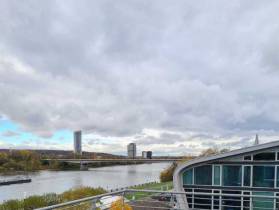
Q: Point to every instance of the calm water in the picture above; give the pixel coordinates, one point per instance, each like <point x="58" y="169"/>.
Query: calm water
<point x="107" y="177"/>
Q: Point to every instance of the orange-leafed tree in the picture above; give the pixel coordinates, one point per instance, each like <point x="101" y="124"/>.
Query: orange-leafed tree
<point x="119" y="205"/>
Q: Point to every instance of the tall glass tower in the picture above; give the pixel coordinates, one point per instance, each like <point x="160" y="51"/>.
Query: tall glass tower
<point x="77" y="143"/>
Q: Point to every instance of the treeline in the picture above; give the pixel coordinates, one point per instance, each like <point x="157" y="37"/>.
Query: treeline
<point x="167" y="174"/>
<point x="36" y="201"/>
<point x="27" y="161"/>
<point x="19" y="160"/>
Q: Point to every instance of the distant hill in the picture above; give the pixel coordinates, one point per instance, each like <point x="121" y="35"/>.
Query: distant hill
<point x="69" y="154"/>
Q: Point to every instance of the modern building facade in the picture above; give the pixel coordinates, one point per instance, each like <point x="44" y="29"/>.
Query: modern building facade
<point x="144" y="154"/>
<point x="147" y="154"/>
<point x="78" y="142"/>
<point x="132" y="150"/>
<point x="229" y="177"/>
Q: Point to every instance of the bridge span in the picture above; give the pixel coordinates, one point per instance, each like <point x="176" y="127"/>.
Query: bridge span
<point x="87" y="161"/>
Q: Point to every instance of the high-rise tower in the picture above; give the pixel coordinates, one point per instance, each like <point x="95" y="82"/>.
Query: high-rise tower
<point x="132" y="150"/>
<point x="77" y="143"/>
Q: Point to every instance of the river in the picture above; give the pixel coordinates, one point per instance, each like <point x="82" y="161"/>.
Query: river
<point x="110" y="177"/>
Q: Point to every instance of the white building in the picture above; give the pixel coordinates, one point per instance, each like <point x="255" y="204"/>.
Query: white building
<point x="132" y="150"/>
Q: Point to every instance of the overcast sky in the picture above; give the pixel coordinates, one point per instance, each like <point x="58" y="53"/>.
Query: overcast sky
<point x="173" y="76"/>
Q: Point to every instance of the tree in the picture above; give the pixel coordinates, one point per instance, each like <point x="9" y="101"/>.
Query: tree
<point x="167" y="174"/>
<point x="213" y="151"/>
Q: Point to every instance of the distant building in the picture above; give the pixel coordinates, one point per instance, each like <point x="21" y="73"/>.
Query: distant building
<point x="147" y="154"/>
<point x="77" y="143"/>
<point x="132" y="150"/>
<point x="144" y="154"/>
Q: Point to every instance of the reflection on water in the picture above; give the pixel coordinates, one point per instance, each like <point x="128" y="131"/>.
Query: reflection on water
<point x="107" y="177"/>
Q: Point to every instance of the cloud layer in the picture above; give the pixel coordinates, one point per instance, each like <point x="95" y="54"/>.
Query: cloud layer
<point x="117" y="69"/>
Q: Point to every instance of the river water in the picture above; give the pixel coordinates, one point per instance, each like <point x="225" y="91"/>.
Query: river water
<point x="111" y="177"/>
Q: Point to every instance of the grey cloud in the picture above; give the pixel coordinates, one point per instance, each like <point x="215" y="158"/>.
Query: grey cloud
<point x="116" y="69"/>
<point x="164" y="138"/>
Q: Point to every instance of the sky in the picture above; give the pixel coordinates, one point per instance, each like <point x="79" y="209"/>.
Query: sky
<point x="175" y="77"/>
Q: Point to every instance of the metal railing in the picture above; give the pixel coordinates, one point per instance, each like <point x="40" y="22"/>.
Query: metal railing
<point x="167" y="200"/>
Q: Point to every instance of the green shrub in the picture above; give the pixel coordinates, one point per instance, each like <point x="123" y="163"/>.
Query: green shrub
<point x="12" y="205"/>
<point x="81" y="192"/>
<point x="33" y="202"/>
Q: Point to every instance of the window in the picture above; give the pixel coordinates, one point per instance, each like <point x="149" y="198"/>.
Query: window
<point x="217" y="176"/>
<point x="188" y="177"/>
<point x="248" y="157"/>
<point x="263" y="176"/>
<point x="247" y="176"/>
<point x="203" y="175"/>
<point x="231" y="175"/>
<point x="277" y="180"/>
<point x="265" y="156"/>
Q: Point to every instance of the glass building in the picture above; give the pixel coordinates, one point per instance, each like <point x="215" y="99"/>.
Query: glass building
<point x="249" y="171"/>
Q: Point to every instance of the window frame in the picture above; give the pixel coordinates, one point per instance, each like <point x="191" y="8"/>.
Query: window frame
<point x="251" y="175"/>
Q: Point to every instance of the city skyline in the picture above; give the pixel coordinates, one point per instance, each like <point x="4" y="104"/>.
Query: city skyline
<point x="173" y="78"/>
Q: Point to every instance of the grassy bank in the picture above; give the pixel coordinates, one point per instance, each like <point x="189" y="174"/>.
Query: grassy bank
<point x="33" y="202"/>
<point x="165" y="186"/>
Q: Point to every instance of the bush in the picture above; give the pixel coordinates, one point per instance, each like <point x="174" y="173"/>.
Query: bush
<point x="81" y="192"/>
<point x="33" y="202"/>
<point x="12" y="205"/>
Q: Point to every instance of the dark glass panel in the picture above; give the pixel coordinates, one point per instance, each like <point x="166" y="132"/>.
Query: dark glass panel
<point x="231" y="175"/>
<point x="265" y="156"/>
<point x="247" y="176"/>
<point x="263" y="203"/>
<point x="231" y="202"/>
<point x="189" y="197"/>
<point x="188" y="177"/>
<point x="202" y="201"/>
<point x="217" y="175"/>
<point x="216" y="200"/>
<point x="203" y="175"/>
<point x="246" y="201"/>
<point x="248" y="157"/>
<point x="263" y="176"/>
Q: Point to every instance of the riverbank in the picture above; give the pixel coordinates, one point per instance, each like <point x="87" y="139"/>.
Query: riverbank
<point x="37" y="201"/>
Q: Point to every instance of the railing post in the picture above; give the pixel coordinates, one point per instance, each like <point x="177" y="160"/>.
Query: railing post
<point x="123" y="201"/>
<point x="172" y="201"/>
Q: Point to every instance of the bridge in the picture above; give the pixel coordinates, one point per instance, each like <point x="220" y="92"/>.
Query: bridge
<point x="84" y="162"/>
<point x="87" y="161"/>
